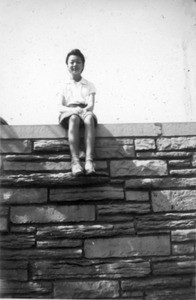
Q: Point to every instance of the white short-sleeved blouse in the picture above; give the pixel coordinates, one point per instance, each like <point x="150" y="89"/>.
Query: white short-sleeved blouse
<point x="77" y="92"/>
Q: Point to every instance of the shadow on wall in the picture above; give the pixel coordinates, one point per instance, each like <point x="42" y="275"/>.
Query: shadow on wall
<point x="2" y="121"/>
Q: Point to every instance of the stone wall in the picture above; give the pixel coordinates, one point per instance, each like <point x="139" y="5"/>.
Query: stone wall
<point x="126" y="233"/>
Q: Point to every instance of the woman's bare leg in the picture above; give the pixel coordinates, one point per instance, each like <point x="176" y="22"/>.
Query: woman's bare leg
<point x="89" y="137"/>
<point x="74" y="140"/>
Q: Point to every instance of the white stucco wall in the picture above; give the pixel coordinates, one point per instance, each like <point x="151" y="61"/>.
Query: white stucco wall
<point x="140" y="55"/>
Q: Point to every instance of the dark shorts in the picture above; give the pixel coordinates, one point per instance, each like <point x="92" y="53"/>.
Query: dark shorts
<point x="64" y="118"/>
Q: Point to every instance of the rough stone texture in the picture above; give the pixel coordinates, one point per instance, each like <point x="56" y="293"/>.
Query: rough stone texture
<point x="86" y="289"/>
<point x="126" y="247"/>
<point x="180" y="163"/>
<point x="194" y="160"/>
<point x="161" y="183"/>
<point x="174" y="267"/>
<point x="145" y="144"/>
<point x="183" y="172"/>
<point x="48" y="270"/>
<point x="176" y="143"/>
<point x="183" y="235"/>
<point x="116" y="217"/>
<point x="51" y="146"/>
<point x="22" y="229"/>
<point x="23" y="196"/>
<point x="81" y="231"/>
<point x="171" y="294"/>
<point x="174" y="200"/>
<point x="118" y="209"/>
<point x="17" y="241"/>
<point x="20" y="290"/>
<point x="126" y="233"/>
<point x="140" y="168"/>
<point x="59" y="243"/>
<point x="37" y="166"/>
<point x="88" y="193"/>
<point x="154" y="283"/>
<point x="161" y="154"/>
<point x="37" y="158"/>
<point x="43" y="163"/>
<point x="39" y="254"/>
<point x="51" y="214"/>
<point x="165" y="221"/>
<point x="51" y="179"/>
<point x="183" y="249"/>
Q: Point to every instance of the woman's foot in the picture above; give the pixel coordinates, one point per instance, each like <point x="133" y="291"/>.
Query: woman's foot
<point x="89" y="167"/>
<point x="76" y="168"/>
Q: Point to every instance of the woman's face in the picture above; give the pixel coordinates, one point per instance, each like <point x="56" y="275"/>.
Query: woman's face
<point x="75" y="65"/>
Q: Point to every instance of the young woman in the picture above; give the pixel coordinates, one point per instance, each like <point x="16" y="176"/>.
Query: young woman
<point x="76" y="109"/>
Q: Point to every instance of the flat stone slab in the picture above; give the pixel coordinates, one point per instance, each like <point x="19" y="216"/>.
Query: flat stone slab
<point x="14" y="241"/>
<point x="3" y="224"/>
<point x="159" y="183"/>
<point x="86" y="289"/>
<point x="174" y="267"/>
<point x="167" y="221"/>
<point x="51" y="146"/>
<point x="125" y="208"/>
<point x="162" y="154"/>
<point x="52" y="179"/>
<point x="125" y="247"/>
<point x="88" y="193"/>
<point x="178" y="128"/>
<point x="84" y="231"/>
<point x="171" y="294"/>
<point x="23" y="196"/>
<point x="154" y="283"/>
<point x="140" y="168"/>
<point x="56" y="131"/>
<point x="103" y="130"/>
<point x="15" y="146"/>
<point x="176" y="200"/>
<point x="51" y="214"/>
<point x="23" y="289"/>
<point x="35" y="254"/>
<point x="176" y="143"/>
<point x="51" y="270"/>
<point x="145" y="144"/>
<point x="14" y="270"/>
<point x="184" y="235"/>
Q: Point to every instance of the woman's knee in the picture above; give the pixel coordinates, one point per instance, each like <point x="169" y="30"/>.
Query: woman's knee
<point x="89" y="120"/>
<point x="74" y="120"/>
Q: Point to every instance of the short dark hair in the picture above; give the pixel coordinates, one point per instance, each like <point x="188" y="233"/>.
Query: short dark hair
<point x="76" y="52"/>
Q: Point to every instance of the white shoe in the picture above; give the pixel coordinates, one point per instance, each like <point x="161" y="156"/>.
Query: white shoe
<point x="89" y="167"/>
<point x="76" y="168"/>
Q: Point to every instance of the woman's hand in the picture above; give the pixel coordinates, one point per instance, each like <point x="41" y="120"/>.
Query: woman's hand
<point x="78" y="110"/>
<point x="84" y="111"/>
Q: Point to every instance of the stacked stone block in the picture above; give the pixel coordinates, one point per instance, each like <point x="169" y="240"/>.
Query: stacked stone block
<point x="126" y="233"/>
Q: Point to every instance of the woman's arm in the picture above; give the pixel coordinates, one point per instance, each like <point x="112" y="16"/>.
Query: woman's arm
<point x="63" y="108"/>
<point x="91" y="103"/>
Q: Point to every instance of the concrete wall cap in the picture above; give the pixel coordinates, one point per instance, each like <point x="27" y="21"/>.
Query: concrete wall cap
<point x="103" y="130"/>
